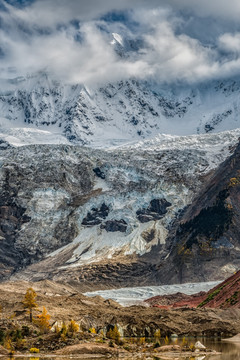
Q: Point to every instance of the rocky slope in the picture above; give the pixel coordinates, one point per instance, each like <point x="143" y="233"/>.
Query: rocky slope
<point x="208" y="232"/>
<point x="225" y="295"/>
<point x="222" y="296"/>
<point x="102" y="314"/>
<point x="104" y="218"/>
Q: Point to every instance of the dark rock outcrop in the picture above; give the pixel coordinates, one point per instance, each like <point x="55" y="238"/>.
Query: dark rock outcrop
<point x="96" y="216"/>
<point x="4" y="145"/>
<point x="12" y="217"/>
<point x="99" y="173"/>
<point x="155" y="211"/>
<point x="115" y="225"/>
<point x="36" y="213"/>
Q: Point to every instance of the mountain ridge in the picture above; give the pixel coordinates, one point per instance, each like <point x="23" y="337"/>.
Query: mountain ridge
<point x="38" y="109"/>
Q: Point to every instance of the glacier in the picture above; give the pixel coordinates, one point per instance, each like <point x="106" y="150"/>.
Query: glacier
<point x="137" y="295"/>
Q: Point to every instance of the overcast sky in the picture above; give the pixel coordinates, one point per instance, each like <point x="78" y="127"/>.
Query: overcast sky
<point x="174" y="40"/>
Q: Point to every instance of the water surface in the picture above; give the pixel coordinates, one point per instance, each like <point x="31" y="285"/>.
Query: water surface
<point x="229" y="352"/>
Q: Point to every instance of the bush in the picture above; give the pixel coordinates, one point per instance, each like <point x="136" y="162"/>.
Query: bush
<point x="17" y="335"/>
<point x="157" y="334"/>
<point x="184" y="342"/>
<point x="20" y="344"/>
<point x="34" y="350"/>
<point x="192" y="347"/>
<point x="43" y="321"/>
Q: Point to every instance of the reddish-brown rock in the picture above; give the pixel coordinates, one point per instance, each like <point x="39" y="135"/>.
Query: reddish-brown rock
<point x="223" y="296"/>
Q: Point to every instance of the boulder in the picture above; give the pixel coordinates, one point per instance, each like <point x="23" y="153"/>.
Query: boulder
<point x="199" y="346"/>
<point x="86" y="349"/>
<point x="167" y="348"/>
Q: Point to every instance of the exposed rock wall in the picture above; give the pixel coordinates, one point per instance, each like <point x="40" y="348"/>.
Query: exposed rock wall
<point x="57" y="208"/>
<point x="206" y="237"/>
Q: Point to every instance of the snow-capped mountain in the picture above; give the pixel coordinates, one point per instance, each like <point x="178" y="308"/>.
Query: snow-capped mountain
<point x="151" y="149"/>
<point x="37" y="109"/>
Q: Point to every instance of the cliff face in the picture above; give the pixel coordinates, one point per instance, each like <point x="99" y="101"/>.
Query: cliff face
<point x="38" y="191"/>
<point x="206" y="237"/>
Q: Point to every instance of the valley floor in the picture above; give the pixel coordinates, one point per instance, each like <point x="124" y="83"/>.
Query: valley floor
<point x="96" y="316"/>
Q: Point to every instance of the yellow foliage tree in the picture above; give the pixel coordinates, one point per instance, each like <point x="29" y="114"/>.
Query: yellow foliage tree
<point x="29" y="301"/>
<point x="166" y="340"/>
<point x="157" y="334"/>
<point x="114" y="334"/>
<point x="43" y="320"/>
<point x="92" y="330"/>
<point x="73" y="327"/>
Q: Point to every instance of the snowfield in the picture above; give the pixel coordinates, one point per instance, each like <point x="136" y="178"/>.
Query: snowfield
<point x="36" y="109"/>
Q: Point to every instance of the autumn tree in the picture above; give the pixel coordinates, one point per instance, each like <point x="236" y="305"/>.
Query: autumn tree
<point x="63" y="331"/>
<point x="114" y="334"/>
<point x="73" y="327"/>
<point x="43" y="320"/>
<point x="29" y="301"/>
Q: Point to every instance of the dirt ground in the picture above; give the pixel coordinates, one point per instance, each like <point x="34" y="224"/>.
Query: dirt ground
<point x="65" y="303"/>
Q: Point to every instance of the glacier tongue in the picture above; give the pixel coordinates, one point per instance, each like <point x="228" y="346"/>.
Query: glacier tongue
<point x="133" y="295"/>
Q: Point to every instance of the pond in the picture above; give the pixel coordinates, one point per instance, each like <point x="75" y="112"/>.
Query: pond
<point x="229" y="351"/>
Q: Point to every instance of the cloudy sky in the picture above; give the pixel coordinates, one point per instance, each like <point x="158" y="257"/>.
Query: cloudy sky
<point x="168" y="40"/>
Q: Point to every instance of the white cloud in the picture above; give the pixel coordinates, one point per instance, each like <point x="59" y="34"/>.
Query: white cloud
<point x="48" y="12"/>
<point x="230" y="42"/>
<point x="32" y="40"/>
